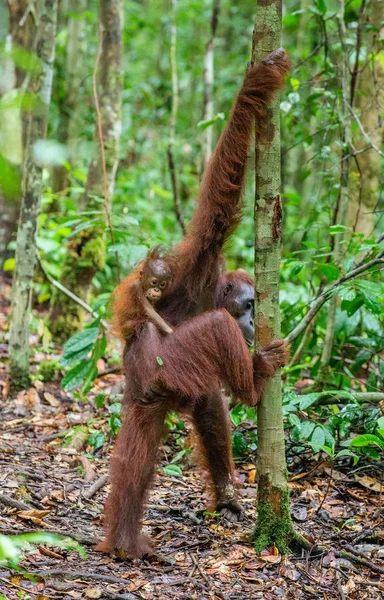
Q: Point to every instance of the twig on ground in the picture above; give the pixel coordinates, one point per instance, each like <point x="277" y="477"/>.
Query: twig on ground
<point x="76" y="575"/>
<point x="8" y="501"/>
<point x="351" y="556"/>
<point x="95" y="487"/>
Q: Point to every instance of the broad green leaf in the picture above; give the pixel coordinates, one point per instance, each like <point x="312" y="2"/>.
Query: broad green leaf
<point x="365" y="440"/>
<point x="81" y="340"/>
<point x="71" y="358"/>
<point x="306" y="428"/>
<point x="318" y="437"/>
<point x="76" y="376"/>
<point x="173" y="470"/>
<point x="307" y="400"/>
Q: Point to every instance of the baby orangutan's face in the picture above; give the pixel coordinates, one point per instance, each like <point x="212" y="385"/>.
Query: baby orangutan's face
<point x="155" y="278"/>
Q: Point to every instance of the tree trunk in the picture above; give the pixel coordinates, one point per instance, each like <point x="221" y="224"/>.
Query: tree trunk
<point x="368" y="102"/>
<point x="341" y="212"/>
<point x="87" y="252"/>
<point x="71" y="106"/>
<point x="208" y="84"/>
<point x="273" y="525"/>
<point x="40" y="87"/>
<point x="19" y="30"/>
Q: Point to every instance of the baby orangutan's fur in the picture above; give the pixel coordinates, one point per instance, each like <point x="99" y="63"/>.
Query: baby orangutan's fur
<point x="136" y="296"/>
<point x="207" y="348"/>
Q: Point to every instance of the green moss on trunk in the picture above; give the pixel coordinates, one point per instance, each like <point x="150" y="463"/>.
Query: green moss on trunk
<point x="274" y="525"/>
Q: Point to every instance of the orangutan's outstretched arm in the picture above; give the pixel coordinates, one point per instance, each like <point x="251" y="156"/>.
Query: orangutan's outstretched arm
<point x="219" y="202"/>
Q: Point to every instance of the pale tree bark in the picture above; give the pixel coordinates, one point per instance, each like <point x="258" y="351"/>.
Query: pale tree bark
<point x="368" y="101"/>
<point x="341" y="212"/>
<point x="87" y="252"/>
<point x="273" y="525"/>
<point x="208" y="84"/>
<point x="72" y="106"/>
<point x="19" y="30"/>
<point x="40" y="86"/>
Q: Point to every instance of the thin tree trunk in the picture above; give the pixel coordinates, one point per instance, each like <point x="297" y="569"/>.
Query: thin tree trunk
<point x="87" y="252"/>
<point x="368" y="99"/>
<point x="40" y="87"/>
<point x="71" y="107"/>
<point x="273" y="525"/>
<point x="19" y="30"/>
<point x="172" y="128"/>
<point x="342" y="205"/>
<point x="208" y="84"/>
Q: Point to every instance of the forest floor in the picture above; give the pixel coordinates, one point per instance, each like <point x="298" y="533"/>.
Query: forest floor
<point x="50" y="485"/>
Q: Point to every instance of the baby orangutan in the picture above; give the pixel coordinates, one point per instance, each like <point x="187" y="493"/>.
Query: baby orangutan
<point x="136" y="296"/>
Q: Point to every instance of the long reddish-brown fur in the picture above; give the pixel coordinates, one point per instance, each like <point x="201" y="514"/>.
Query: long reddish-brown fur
<point x="128" y="310"/>
<point x="185" y="370"/>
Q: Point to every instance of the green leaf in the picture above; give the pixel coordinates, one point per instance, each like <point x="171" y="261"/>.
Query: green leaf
<point x="96" y="439"/>
<point x="9" y="264"/>
<point x="239" y="443"/>
<point x="159" y="361"/>
<point x="173" y="470"/>
<point x="90" y="378"/>
<point x="208" y="123"/>
<point x="366" y="440"/>
<point x="114" y="424"/>
<point x="334" y="229"/>
<point x="114" y="408"/>
<point x="75" y="376"/>
<point x="306" y="428"/>
<point x="307" y="400"/>
<point x="80" y="340"/>
<point x="178" y="456"/>
<point x="371" y="452"/>
<point x="318" y="437"/>
<point x="331" y="272"/>
<point x="347" y="452"/>
<point x="321" y="5"/>
<point x="100" y="348"/>
<point x="67" y="360"/>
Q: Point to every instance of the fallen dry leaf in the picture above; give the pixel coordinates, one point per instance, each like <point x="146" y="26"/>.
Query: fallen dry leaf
<point x="369" y="482"/>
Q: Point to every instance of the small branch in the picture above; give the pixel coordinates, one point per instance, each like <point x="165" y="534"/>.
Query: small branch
<point x="77" y="574"/>
<point x="73" y="296"/>
<point x="8" y="501"/>
<point x="300" y="349"/>
<point x="102" y="149"/>
<point x="351" y="556"/>
<point x="318" y="302"/>
<point x="95" y="487"/>
<point x="363" y="132"/>
<point x="336" y="396"/>
<point x="176" y="199"/>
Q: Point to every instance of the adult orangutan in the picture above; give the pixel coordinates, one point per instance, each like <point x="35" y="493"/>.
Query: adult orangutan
<point x="208" y="347"/>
